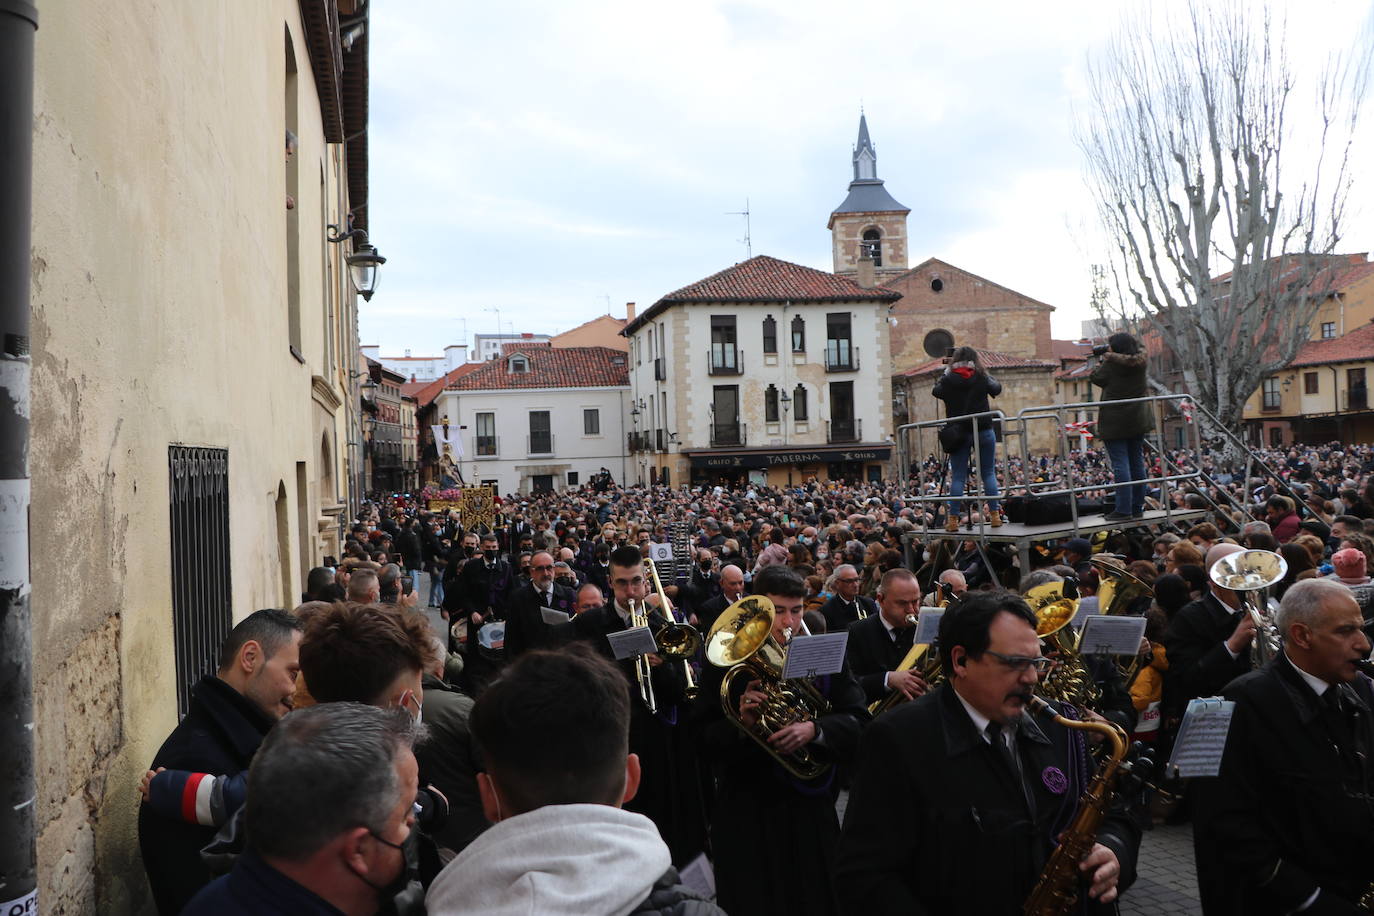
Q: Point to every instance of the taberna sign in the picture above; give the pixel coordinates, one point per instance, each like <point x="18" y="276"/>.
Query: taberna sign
<point x="774" y="459"/>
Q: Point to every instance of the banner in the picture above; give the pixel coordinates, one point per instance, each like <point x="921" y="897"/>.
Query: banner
<point x="448" y="444"/>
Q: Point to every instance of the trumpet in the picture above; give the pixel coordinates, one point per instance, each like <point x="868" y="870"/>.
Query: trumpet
<point x="676" y="638"/>
<point x="639" y="617"/>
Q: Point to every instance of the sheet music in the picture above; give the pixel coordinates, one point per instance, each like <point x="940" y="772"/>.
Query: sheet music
<point x="812" y="656"/>
<point x="632" y="642"/>
<point x="928" y="625"/>
<point x="1104" y="635"/>
<point x="1202" y="737"/>
<point x="553" y="616"/>
<point x="698" y="876"/>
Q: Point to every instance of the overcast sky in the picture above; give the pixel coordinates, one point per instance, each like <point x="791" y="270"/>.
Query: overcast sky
<point x="545" y="159"/>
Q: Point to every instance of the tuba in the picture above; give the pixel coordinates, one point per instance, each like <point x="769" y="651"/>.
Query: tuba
<point x="676" y="638"/>
<point x="741" y="640"/>
<point x="1250" y="572"/>
<point x="1069" y="681"/>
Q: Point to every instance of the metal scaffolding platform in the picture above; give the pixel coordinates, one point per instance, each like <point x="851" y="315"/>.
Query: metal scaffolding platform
<point x="1025" y="536"/>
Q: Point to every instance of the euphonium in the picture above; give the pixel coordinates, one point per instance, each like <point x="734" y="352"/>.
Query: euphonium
<point x="1069" y="681"/>
<point x="931" y="671"/>
<point x="741" y="640"/>
<point x="676" y="638"/>
<point x="1056" y="890"/>
<point x="1250" y="572"/>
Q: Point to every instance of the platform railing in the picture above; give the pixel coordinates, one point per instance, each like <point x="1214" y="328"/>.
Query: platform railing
<point x="912" y="439"/>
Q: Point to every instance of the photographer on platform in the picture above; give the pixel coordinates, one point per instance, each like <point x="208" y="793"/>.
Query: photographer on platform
<point x="1122" y="427"/>
<point x="965" y="388"/>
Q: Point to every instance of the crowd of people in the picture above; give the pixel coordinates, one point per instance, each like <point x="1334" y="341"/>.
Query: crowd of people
<point x="450" y="721"/>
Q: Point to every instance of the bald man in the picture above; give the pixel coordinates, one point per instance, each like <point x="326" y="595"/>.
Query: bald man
<point x="731" y="590"/>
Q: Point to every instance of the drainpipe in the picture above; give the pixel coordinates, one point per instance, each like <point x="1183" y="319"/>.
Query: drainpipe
<point x="18" y="884"/>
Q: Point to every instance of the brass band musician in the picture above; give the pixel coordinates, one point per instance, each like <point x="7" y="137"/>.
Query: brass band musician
<point x="878" y="644"/>
<point x="958" y="796"/>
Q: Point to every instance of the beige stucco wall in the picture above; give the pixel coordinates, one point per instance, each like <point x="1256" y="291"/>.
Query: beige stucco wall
<point x="603" y="331"/>
<point x="847" y="230"/>
<point x="160" y="317"/>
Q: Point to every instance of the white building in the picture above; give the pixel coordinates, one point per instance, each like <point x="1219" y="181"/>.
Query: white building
<point x="539" y="418"/>
<point x="489" y="346"/>
<point x="765" y="372"/>
<point x="420" y="368"/>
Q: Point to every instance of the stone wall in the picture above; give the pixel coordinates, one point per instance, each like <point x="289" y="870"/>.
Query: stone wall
<point x="848" y="229"/>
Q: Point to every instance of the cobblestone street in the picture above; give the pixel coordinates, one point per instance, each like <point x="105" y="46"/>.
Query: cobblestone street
<point x="1167" y="883"/>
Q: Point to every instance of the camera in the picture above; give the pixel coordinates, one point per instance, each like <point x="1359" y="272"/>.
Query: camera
<point x="1100" y="349"/>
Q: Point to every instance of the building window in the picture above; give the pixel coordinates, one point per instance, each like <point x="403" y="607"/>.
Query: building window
<point x="1357" y="394"/>
<point x="798" y="334"/>
<point x="573" y="478"/>
<point x="591" y="421"/>
<point x="770" y="404"/>
<point x="1273" y="398"/>
<point x="1328" y="330"/>
<point x="839" y="343"/>
<point x="541" y="433"/>
<point x="518" y="364"/>
<point x="843" y="425"/>
<point x="770" y="335"/>
<point x="1275" y="436"/>
<point x="485" y="434"/>
<point x="1311" y="383"/>
<point x="724" y="344"/>
<point x="653" y="351"/>
<point x="201" y="576"/>
<point x="872" y="246"/>
<point x="725" y="425"/>
<point x="799" y="411"/>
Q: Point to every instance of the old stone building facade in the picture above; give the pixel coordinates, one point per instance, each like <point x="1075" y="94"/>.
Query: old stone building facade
<point x="195" y="392"/>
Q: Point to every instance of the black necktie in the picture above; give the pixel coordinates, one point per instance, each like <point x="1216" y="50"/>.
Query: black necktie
<point x="544" y="599"/>
<point x="1009" y="756"/>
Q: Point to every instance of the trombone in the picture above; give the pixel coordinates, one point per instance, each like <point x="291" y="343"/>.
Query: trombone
<point x="639" y="617"/>
<point x="676" y="638"/>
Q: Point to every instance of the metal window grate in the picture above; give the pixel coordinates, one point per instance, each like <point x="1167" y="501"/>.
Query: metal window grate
<point x="201" y="615"/>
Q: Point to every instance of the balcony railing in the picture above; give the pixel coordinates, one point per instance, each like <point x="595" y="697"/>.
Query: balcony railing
<point x="729" y="434"/>
<point x="725" y="362"/>
<point x="1357" y="399"/>
<point x="633" y="443"/>
<point x="841" y="358"/>
<point x="843" y="430"/>
<point x="539" y="444"/>
<point x="487" y="446"/>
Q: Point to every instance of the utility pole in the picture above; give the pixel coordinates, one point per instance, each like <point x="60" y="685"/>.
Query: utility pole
<point x="747" y="240"/>
<point x="18" y="860"/>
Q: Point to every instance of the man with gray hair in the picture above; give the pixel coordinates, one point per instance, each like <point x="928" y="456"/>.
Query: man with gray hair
<point x="1289" y="815"/>
<point x="329" y="818"/>
<point x="847" y="605"/>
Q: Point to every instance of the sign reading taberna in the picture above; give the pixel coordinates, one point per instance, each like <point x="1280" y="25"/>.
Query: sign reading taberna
<point x="774" y="459"/>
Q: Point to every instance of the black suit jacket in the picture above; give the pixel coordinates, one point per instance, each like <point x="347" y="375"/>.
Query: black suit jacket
<point x="708" y="611"/>
<point x="871" y="654"/>
<point x="525" y="626"/>
<point x="1199" y="663"/>
<point x="479" y="588"/>
<point x="220" y="735"/>
<point x="1284" y="815"/>
<point x="939" y="823"/>
<point x="839" y="615"/>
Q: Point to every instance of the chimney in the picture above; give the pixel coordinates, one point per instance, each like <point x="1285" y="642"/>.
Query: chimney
<point x="629" y="312"/>
<point x="866" y="277"/>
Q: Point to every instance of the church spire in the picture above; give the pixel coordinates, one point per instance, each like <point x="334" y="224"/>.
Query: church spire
<point x="865" y="156"/>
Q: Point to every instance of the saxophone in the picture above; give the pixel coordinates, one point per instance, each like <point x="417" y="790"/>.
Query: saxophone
<point x="1056" y="890"/>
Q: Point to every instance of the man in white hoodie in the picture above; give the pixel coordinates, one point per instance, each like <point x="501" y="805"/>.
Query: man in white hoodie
<point x="553" y="732"/>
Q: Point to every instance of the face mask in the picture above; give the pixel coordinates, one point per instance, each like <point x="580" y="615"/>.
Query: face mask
<point x="726" y="551"/>
<point x="489" y="554"/>
<point x="706" y="567"/>
<point x="566" y="581"/>
<point x="403" y="895"/>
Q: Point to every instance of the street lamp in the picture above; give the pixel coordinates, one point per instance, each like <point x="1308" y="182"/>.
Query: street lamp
<point x="362" y="263"/>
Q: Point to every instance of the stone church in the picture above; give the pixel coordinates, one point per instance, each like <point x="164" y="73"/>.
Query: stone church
<point x="942" y="305"/>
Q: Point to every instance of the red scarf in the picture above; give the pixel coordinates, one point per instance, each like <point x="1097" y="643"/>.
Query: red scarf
<point x="963" y="371"/>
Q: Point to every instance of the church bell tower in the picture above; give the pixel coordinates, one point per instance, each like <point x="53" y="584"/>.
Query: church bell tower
<point x="869" y="221"/>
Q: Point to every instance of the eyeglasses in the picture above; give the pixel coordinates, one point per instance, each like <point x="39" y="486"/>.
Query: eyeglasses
<point x="541" y="568"/>
<point x="1019" y="663"/>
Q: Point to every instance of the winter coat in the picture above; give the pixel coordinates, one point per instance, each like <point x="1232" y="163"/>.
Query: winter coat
<point x="1121" y="376"/>
<point x="964" y="396"/>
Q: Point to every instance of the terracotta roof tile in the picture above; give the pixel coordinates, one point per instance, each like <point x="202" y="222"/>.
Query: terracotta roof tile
<point x="550" y="367"/>
<point x="428" y="391"/>
<point x="991" y="360"/>
<point x="766" y="279"/>
<point x="1357" y="344"/>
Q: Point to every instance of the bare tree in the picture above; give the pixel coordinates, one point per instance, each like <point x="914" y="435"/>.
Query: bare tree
<point x="1222" y="218"/>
